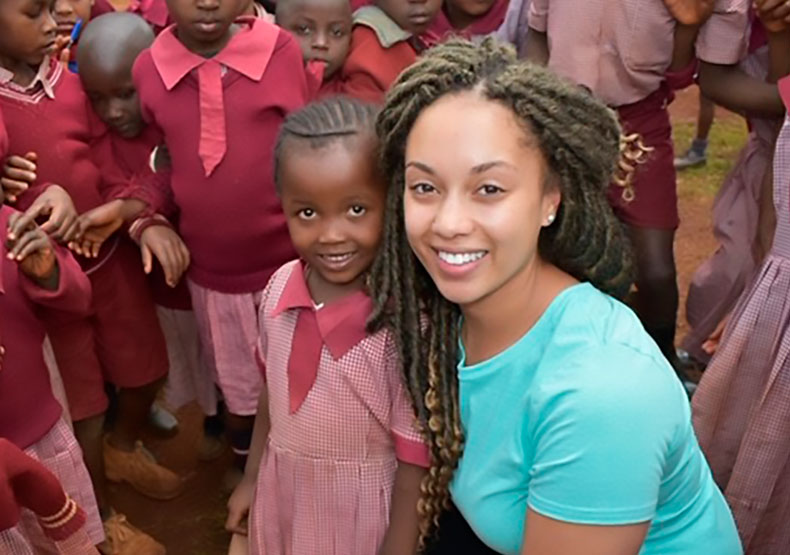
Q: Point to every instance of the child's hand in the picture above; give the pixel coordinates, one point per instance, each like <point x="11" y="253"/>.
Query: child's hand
<point x="239" y="506"/>
<point x="31" y="249"/>
<point x="711" y="344"/>
<point x="168" y="248"/>
<point x="690" y="12"/>
<point x="62" y="51"/>
<point x="19" y="173"/>
<point x="95" y="227"/>
<point x="56" y="204"/>
<point x="775" y="14"/>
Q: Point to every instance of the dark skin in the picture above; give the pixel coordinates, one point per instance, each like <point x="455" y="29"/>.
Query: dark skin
<point x="414" y="16"/>
<point x="335" y="209"/>
<point x="28" y="37"/>
<point x="68" y="12"/>
<point x="205" y="26"/>
<point x="462" y="13"/>
<point x="322" y="27"/>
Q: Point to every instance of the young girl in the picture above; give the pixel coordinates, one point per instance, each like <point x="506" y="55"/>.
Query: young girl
<point x="741" y="406"/>
<point x="323" y="30"/>
<point x="569" y="430"/>
<point x="336" y="455"/>
<point x="385" y="41"/>
<point x="467" y="18"/>
<point x="221" y="177"/>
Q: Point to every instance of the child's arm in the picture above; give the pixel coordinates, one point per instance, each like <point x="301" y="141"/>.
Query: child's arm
<point x="19" y="174"/>
<point x="162" y="242"/>
<point x="61" y="217"/>
<point x="51" y="276"/>
<point x="403" y="531"/>
<point x="241" y="500"/>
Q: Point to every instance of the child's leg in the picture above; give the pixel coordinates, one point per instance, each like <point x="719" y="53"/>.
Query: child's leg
<point x="133" y="355"/>
<point x="707" y="110"/>
<point x="228" y="325"/>
<point x="652" y="217"/>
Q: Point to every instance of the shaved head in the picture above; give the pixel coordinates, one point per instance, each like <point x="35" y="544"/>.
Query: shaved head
<point x="113" y="41"/>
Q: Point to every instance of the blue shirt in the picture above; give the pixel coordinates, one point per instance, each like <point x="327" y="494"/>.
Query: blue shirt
<point x="584" y="421"/>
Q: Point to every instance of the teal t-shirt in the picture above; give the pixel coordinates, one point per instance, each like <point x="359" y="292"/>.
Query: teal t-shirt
<point x="584" y="421"/>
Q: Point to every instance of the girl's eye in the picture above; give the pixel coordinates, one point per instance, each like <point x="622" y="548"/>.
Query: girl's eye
<point x="306" y="213"/>
<point x="338" y="32"/>
<point x="423" y="188"/>
<point x="127" y="94"/>
<point x="357" y="210"/>
<point x="489" y="190"/>
<point x="303" y="30"/>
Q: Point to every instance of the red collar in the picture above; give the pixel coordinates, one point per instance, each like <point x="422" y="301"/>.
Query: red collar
<point x="784" y="91"/>
<point x="248" y="52"/>
<point x="342" y="323"/>
<point x="153" y="11"/>
<point x="488" y="23"/>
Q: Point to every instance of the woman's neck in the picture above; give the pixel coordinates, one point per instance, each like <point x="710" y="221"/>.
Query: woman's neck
<point x="496" y="322"/>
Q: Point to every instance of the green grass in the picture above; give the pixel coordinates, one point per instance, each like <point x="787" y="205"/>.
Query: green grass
<point x="725" y="142"/>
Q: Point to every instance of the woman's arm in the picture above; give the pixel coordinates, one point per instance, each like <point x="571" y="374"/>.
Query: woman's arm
<point x="403" y="531"/>
<point x="546" y="536"/>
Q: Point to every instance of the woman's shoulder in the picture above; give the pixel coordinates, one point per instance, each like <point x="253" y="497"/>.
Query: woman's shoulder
<point x="599" y="354"/>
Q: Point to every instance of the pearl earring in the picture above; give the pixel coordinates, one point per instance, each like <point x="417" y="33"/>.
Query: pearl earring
<point x="550" y="219"/>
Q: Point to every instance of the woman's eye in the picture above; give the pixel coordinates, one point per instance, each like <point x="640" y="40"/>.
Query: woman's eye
<point x="356" y="210"/>
<point x="489" y="189"/>
<point x="306" y="213"/>
<point x="423" y="188"/>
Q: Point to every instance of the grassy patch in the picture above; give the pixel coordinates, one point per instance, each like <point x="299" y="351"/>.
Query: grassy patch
<point x="725" y="142"/>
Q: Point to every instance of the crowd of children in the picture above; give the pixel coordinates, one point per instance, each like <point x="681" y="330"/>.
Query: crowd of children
<point x="203" y="201"/>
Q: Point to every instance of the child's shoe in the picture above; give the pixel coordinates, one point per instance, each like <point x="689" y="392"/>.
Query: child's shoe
<point x="125" y="539"/>
<point x="141" y="471"/>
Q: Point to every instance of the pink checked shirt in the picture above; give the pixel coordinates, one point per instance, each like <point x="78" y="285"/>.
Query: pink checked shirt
<point x="621" y="49"/>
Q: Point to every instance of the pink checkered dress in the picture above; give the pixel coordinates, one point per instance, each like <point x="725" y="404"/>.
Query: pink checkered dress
<point x="327" y="474"/>
<point x="742" y="406"/>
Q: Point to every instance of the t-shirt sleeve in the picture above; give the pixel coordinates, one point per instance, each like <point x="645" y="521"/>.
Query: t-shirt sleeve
<point x="724" y="38"/>
<point x="602" y="431"/>
<point x="410" y="446"/>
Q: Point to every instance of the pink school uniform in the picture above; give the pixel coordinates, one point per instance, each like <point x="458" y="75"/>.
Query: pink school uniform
<point x="620" y="50"/>
<point x="719" y="281"/>
<point x="221" y="142"/>
<point x="340" y="421"/>
<point x="742" y="406"/>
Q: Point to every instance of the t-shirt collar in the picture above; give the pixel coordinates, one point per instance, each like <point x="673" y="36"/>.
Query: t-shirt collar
<point x="242" y="53"/>
<point x="45" y="78"/>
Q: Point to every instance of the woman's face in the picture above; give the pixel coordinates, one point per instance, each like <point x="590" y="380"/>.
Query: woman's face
<point x="474" y="196"/>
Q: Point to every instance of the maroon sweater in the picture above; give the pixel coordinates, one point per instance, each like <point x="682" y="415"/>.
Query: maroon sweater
<point x="28" y="410"/>
<point x="232" y="220"/>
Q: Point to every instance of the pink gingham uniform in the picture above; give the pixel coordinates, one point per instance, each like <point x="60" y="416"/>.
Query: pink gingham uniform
<point x="621" y="49"/>
<point x="61" y="454"/>
<point x="190" y="377"/>
<point x="719" y="282"/>
<point x="327" y="474"/>
<point x="742" y="406"/>
<point x="228" y="327"/>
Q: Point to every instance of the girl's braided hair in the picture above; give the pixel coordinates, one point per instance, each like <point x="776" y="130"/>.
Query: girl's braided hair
<point x="322" y="123"/>
<point x="580" y="140"/>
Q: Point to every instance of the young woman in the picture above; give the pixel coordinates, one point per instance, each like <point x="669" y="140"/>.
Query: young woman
<point x="555" y="424"/>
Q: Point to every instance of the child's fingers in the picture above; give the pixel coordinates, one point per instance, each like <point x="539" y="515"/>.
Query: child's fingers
<point x="32" y="156"/>
<point x="13" y="186"/>
<point x="18" y="225"/>
<point x="146" y="253"/>
<point x="38" y="243"/>
<point x="20" y="245"/>
<point x="233" y="523"/>
<point x="23" y="163"/>
<point x="16" y="173"/>
<point x="71" y="229"/>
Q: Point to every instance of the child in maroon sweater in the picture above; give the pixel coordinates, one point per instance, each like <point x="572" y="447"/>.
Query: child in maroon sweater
<point x="323" y="30"/>
<point x="46" y="111"/>
<point x="385" y="41"/>
<point x="467" y="18"/>
<point x="110" y="45"/>
<point x="221" y="173"/>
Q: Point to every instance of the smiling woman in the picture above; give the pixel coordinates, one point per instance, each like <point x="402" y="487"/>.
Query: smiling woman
<point x="556" y="425"/>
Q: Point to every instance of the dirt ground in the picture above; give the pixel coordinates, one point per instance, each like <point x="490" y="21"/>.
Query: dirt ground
<point x="193" y="523"/>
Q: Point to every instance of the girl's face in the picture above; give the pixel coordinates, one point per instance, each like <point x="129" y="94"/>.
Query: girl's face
<point x="67" y="12"/>
<point x="333" y="199"/>
<point x="414" y="16"/>
<point x="471" y="8"/>
<point x="203" y="26"/>
<point x="474" y="196"/>
<point x="322" y="27"/>
<point x="28" y="32"/>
